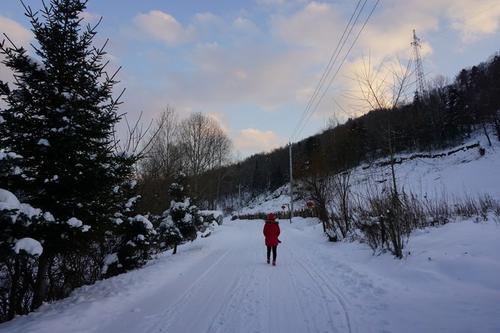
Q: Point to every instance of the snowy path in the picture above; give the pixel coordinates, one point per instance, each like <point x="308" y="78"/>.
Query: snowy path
<point x="234" y="290"/>
<point x="222" y="284"/>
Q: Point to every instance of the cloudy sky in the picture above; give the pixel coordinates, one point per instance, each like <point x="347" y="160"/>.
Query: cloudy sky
<point x="254" y="64"/>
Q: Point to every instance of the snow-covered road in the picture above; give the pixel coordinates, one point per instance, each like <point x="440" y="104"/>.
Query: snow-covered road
<point x="233" y="289"/>
<point x="222" y="284"/>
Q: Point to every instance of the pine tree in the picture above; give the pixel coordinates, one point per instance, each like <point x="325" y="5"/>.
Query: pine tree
<point x="169" y="235"/>
<point x="60" y="118"/>
<point x="132" y="235"/>
<point x="180" y="221"/>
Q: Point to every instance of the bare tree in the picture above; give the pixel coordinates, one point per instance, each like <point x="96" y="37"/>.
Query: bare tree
<point x="340" y="202"/>
<point x="139" y="138"/>
<point x="386" y="88"/>
<point x="203" y="144"/>
<point x="320" y="191"/>
<point x="162" y="158"/>
<point x="160" y="163"/>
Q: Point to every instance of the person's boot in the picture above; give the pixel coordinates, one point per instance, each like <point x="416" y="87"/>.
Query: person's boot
<point x="268" y="261"/>
<point x="274" y="263"/>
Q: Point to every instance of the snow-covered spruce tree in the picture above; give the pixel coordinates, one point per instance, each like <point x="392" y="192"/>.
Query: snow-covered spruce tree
<point x="131" y="237"/>
<point x="181" y="219"/>
<point x="169" y="234"/>
<point x="60" y="117"/>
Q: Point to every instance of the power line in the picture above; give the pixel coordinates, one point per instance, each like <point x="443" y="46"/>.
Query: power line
<point x="330" y="64"/>
<point x="338" y="69"/>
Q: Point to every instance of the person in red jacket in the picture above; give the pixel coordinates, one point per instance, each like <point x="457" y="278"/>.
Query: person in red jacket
<point x="271" y="233"/>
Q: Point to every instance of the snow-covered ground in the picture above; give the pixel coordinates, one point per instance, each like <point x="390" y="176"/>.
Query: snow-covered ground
<point x="271" y="202"/>
<point x="449" y="283"/>
<point x="454" y="177"/>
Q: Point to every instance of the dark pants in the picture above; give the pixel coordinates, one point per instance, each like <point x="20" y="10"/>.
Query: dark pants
<point x="269" y="248"/>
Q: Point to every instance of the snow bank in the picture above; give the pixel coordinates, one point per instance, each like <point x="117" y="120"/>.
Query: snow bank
<point x="142" y="219"/>
<point x="109" y="260"/>
<point x="44" y="142"/>
<point x="8" y="155"/>
<point x="74" y="222"/>
<point x="9" y="201"/>
<point x="29" y="245"/>
<point x="214" y="213"/>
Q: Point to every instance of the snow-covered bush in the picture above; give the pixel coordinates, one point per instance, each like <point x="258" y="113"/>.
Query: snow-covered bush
<point x="386" y="222"/>
<point x="180" y="222"/>
<point x="18" y="253"/>
<point x="168" y="233"/>
<point x="133" y="238"/>
<point x="212" y="216"/>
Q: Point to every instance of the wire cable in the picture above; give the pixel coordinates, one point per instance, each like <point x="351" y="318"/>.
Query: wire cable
<point x="329" y="66"/>
<point x="338" y="69"/>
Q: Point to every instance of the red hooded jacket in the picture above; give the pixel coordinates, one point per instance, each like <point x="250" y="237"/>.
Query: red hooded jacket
<point x="271" y="232"/>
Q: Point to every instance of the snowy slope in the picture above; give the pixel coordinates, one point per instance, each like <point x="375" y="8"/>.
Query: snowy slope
<point x="460" y="175"/>
<point x="222" y="284"/>
<point x="271" y="202"/>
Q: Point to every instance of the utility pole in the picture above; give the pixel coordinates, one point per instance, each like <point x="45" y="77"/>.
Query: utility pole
<point x="419" y="68"/>
<point x="291" y="182"/>
<point x="239" y="200"/>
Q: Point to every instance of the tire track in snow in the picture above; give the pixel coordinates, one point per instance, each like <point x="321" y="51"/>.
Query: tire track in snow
<point x="219" y="317"/>
<point x="169" y="314"/>
<point x="293" y="279"/>
<point x="238" y="289"/>
<point x="322" y="281"/>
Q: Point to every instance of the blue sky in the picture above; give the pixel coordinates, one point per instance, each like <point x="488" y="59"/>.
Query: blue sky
<point x="253" y="64"/>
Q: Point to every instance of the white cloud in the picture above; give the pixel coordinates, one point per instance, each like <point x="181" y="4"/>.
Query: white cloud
<point x="19" y="34"/>
<point x="279" y="3"/>
<point x="164" y="27"/>
<point x="254" y="140"/>
<point x="474" y="19"/>
<point x="89" y="17"/>
<point x="207" y="17"/>
<point x="221" y="120"/>
<point x="315" y="25"/>
<point x="244" y="24"/>
<point x="271" y="2"/>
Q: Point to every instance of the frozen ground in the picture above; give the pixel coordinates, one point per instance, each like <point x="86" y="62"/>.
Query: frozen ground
<point x="449" y="283"/>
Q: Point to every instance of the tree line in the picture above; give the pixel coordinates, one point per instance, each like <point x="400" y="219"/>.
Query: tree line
<point x="194" y="145"/>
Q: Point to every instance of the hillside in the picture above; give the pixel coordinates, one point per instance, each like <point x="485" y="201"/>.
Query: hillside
<point x="457" y="176"/>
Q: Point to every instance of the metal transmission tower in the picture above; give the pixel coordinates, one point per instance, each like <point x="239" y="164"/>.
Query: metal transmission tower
<point x="419" y="69"/>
